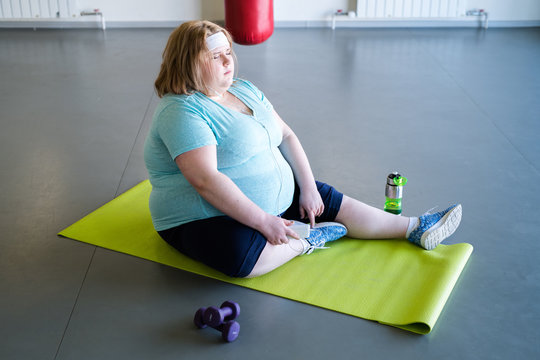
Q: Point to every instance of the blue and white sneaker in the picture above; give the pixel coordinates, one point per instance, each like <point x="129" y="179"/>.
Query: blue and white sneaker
<point x="432" y="229"/>
<point x="322" y="233"/>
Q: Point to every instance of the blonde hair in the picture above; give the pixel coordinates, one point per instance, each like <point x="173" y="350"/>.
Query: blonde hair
<point x="186" y="57"/>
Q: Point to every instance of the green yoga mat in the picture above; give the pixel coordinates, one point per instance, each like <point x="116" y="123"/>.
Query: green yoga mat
<point x="392" y="282"/>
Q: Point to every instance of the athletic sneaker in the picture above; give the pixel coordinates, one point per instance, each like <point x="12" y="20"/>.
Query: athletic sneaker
<point x="322" y="233"/>
<point x="434" y="228"/>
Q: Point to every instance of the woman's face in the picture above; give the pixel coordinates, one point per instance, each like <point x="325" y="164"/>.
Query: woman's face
<point x="219" y="76"/>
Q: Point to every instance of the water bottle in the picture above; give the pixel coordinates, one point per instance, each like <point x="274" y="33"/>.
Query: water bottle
<point x="394" y="193"/>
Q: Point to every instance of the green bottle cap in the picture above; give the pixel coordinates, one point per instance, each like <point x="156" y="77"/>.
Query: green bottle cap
<point x="400" y="180"/>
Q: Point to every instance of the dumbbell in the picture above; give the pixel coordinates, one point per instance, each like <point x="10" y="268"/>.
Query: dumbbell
<point x="228" y="311"/>
<point x="199" y="318"/>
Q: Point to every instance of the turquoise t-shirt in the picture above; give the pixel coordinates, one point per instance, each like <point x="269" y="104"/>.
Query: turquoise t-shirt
<point x="247" y="152"/>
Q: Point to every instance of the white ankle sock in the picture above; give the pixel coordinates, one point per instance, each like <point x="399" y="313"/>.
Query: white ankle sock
<point x="413" y="223"/>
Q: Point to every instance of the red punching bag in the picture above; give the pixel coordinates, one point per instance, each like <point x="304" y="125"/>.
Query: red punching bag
<point x="250" y="22"/>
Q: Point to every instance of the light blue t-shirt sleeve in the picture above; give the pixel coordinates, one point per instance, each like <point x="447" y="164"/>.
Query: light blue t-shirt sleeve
<point x="183" y="128"/>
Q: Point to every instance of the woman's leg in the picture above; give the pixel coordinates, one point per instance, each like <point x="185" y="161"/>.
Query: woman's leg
<point x="366" y="222"/>
<point x="362" y="222"/>
<point x="427" y="231"/>
<point x="219" y="242"/>
<point x="273" y="256"/>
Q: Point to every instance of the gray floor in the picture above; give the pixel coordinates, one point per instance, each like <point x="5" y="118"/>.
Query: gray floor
<point x="456" y="111"/>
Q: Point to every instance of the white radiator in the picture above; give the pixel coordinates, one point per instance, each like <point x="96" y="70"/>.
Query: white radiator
<point x="410" y="13"/>
<point x="38" y="9"/>
<point x="373" y="9"/>
<point x="48" y="13"/>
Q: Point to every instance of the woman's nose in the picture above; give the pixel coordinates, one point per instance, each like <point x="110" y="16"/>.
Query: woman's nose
<point x="226" y="60"/>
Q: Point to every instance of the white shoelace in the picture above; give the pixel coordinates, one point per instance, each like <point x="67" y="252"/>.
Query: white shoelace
<point x="307" y="248"/>
<point x="310" y="248"/>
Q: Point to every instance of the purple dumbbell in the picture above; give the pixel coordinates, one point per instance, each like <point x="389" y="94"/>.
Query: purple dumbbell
<point x="199" y="318"/>
<point x="221" y="319"/>
<point x="228" y="311"/>
<point x="229" y="330"/>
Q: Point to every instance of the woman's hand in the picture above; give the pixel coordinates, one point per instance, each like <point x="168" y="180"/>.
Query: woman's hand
<point x="311" y="205"/>
<point x="276" y="230"/>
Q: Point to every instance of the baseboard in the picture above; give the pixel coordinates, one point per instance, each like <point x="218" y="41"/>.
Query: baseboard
<point x="84" y="23"/>
<point x="49" y="24"/>
<point x="79" y="23"/>
<point x="407" y="23"/>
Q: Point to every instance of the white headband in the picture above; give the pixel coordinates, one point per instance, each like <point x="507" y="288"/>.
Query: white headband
<point x="216" y="40"/>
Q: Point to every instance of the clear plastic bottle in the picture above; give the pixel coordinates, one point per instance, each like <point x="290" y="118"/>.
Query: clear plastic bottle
<point x="394" y="192"/>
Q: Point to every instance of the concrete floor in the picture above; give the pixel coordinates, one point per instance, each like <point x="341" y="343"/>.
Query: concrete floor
<point x="457" y="111"/>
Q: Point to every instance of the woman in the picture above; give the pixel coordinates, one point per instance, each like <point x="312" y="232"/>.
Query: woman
<point x="229" y="177"/>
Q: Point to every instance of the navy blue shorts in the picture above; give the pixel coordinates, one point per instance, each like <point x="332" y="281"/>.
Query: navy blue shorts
<point x="234" y="248"/>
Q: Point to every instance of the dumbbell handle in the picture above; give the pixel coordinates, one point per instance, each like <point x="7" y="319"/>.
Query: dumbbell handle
<point x="214" y="316"/>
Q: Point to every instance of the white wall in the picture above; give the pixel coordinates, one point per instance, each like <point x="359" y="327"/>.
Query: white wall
<point x="508" y="10"/>
<point x="284" y="10"/>
<point x="297" y="10"/>
<point x="155" y="10"/>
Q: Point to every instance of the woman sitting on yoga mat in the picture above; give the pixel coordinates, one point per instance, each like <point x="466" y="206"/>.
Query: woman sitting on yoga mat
<point x="229" y="176"/>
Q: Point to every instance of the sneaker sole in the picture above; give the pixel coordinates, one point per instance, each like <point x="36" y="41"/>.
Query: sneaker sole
<point x="442" y="229"/>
